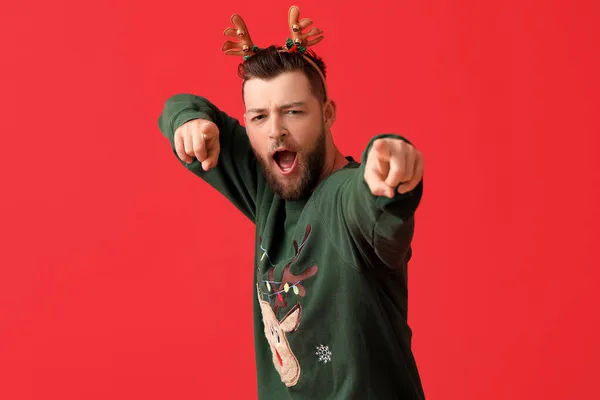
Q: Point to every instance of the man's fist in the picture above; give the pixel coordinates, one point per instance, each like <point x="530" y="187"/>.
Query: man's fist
<point x="392" y="162"/>
<point x="198" y="138"/>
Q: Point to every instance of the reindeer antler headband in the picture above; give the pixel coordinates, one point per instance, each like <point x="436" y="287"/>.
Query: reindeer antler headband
<point x="297" y="43"/>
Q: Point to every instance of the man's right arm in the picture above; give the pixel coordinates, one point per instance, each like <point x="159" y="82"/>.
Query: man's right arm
<point x="237" y="171"/>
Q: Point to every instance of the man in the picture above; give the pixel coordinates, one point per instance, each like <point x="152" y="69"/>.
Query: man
<point x="332" y="236"/>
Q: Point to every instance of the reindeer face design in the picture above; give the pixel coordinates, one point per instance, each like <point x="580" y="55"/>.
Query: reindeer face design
<point x="284" y="360"/>
<point x="276" y="331"/>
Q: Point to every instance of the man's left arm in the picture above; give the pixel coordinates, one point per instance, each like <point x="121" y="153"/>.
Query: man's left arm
<point x="379" y="203"/>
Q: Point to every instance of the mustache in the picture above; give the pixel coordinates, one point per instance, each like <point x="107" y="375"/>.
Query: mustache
<point x="286" y="145"/>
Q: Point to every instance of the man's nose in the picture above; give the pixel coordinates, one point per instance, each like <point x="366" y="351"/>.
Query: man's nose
<point x="277" y="129"/>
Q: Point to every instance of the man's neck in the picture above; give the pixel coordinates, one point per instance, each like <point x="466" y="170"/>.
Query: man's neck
<point x="338" y="162"/>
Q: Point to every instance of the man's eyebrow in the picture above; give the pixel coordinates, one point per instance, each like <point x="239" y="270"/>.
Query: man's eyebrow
<point x="283" y="107"/>
<point x="294" y="104"/>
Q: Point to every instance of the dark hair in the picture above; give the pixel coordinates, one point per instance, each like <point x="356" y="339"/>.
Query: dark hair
<point x="269" y="63"/>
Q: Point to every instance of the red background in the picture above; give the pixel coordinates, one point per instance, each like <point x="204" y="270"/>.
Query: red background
<point x="123" y="276"/>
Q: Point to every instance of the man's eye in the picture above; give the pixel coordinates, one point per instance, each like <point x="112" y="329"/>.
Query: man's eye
<point x="293" y="112"/>
<point x="258" y="118"/>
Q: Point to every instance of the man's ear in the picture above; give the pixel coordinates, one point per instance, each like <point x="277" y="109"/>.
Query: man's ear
<point x="330" y="112"/>
<point x="245" y="121"/>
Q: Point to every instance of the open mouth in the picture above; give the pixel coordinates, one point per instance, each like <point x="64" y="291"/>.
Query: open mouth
<point x="285" y="161"/>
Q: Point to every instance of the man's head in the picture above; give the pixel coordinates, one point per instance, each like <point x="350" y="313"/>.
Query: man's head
<point x="288" y="120"/>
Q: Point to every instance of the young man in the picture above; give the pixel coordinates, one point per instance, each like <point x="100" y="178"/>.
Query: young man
<point x="333" y="237"/>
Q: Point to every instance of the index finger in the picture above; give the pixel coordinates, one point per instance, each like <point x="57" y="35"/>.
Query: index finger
<point x="374" y="177"/>
<point x="199" y="145"/>
<point x="382" y="150"/>
<point x="209" y="130"/>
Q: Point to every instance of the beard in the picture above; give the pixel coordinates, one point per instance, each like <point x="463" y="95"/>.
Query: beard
<point x="309" y="167"/>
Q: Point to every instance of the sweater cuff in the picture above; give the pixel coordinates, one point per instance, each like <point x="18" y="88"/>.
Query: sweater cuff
<point x="187" y="115"/>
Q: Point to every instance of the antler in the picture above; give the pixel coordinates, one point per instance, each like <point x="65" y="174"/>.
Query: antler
<point x="244" y="47"/>
<point x="296" y="249"/>
<point x="299" y="40"/>
<point x="296" y="27"/>
<point x="289" y="280"/>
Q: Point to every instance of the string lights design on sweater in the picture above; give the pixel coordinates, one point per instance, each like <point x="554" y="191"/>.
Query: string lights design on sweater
<point x="276" y="289"/>
<point x="265" y="254"/>
<point x="286" y="286"/>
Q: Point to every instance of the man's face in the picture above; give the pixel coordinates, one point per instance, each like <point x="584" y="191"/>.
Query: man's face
<point x="284" y="122"/>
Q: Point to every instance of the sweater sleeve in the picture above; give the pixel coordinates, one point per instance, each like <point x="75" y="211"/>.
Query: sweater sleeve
<point x="381" y="228"/>
<point x="237" y="172"/>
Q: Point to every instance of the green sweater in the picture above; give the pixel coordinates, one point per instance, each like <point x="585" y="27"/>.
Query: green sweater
<point x="330" y="309"/>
